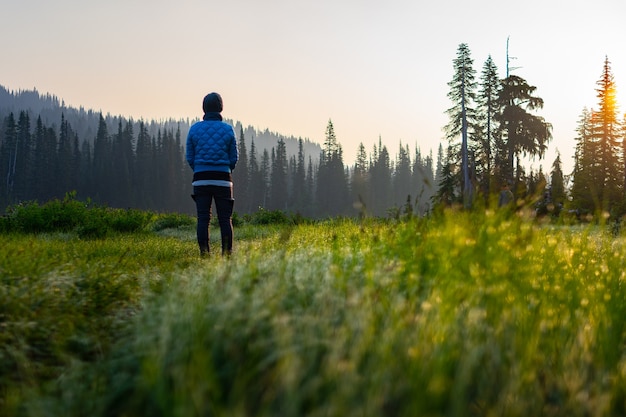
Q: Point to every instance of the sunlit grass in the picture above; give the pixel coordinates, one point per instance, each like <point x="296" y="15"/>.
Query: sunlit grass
<point x="463" y="314"/>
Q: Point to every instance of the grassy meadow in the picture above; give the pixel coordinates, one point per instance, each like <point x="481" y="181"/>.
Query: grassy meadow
<point x="460" y="314"/>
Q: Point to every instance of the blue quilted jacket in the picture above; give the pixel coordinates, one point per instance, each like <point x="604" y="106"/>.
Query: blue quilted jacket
<point x="211" y="146"/>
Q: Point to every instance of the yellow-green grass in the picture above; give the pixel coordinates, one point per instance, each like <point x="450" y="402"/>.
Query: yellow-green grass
<point x="460" y="314"/>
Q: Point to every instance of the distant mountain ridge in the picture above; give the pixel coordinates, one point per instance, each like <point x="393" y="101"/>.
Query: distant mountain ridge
<point x="85" y="122"/>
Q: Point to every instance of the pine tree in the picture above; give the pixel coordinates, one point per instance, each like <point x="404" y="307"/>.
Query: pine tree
<point x="74" y="167"/>
<point x="423" y="181"/>
<point x="241" y="176"/>
<point x="64" y="159"/>
<point x="523" y="132"/>
<point x="299" y="197"/>
<point x="44" y="157"/>
<point x="537" y="183"/>
<point x="440" y="163"/>
<point x="170" y="156"/>
<point x="332" y="186"/>
<point x="256" y="181"/>
<point x="183" y="187"/>
<point x="599" y="172"/>
<point x="23" y="168"/>
<point x="607" y="133"/>
<point x="380" y="180"/>
<point x="402" y="176"/>
<point x="360" y="181"/>
<point x="462" y="115"/>
<point x="557" y="185"/>
<point x="102" y="164"/>
<point x="142" y="172"/>
<point x="623" y="136"/>
<point x="85" y="183"/>
<point x="51" y="143"/>
<point x="486" y="132"/>
<point x="264" y="173"/>
<point x="8" y="160"/>
<point x="157" y="178"/>
<point x="122" y="164"/>
<point x="448" y="183"/>
<point x="584" y="194"/>
<point x="278" y="178"/>
<point x="310" y="189"/>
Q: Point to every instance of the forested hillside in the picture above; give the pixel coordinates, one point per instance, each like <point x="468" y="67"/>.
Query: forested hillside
<point x="48" y="149"/>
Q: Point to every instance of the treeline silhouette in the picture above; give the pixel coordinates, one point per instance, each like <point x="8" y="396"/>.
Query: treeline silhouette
<point x="48" y="149"/>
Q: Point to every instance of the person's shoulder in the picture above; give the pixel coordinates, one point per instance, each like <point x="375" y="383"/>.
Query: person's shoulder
<point x="226" y="126"/>
<point x="196" y="125"/>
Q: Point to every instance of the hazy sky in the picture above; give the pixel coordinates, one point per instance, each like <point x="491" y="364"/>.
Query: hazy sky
<point x="374" y="68"/>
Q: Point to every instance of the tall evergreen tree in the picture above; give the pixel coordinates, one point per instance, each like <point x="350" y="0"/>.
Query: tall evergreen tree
<point x="241" y="176"/>
<point x="8" y="160"/>
<point x="23" y="168"/>
<point x="170" y="156"/>
<point x="607" y="133"/>
<point x="380" y="180"/>
<point x="299" y="196"/>
<point x="122" y="164"/>
<point x="74" y="167"/>
<point x="448" y="183"/>
<point x="536" y="184"/>
<point x="157" y="179"/>
<point x="264" y="173"/>
<point x="278" y="179"/>
<point x="487" y="129"/>
<point x="462" y="114"/>
<point x="102" y="164"/>
<point x="51" y="143"/>
<point x="423" y="181"/>
<point x="440" y="163"/>
<point x="332" y="185"/>
<point x="310" y="187"/>
<point x="182" y="186"/>
<point x="402" y="177"/>
<point x="584" y="194"/>
<point x="64" y="158"/>
<point x="360" y="181"/>
<point x="143" y="167"/>
<point x="599" y="172"/>
<point x="557" y="185"/>
<point x="126" y="163"/>
<point x="623" y="136"/>
<point x="524" y="133"/>
<point x="257" y="181"/>
<point x="85" y="178"/>
<point x="45" y="160"/>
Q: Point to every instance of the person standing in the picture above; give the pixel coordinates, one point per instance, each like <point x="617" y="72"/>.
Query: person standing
<point x="506" y="196"/>
<point x="212" y="155"/>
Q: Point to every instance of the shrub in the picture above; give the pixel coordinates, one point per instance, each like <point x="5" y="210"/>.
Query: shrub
<point x="55" y="215"/>
<point x="171" y="221"/>
<point x="71" y="215"/>
<point x="128" y="220"/>
<point x="94" y="226"/>
<point x="5" y="224"/>
<point x="265" y="217"/>
<point x="26" y="217"/>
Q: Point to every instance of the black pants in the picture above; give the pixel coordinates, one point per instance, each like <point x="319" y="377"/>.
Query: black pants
<point x="224" y="202"/>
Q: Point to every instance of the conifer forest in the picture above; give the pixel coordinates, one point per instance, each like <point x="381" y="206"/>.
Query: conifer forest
<point x="121" y="163"/>
<point x="48" y="150"/>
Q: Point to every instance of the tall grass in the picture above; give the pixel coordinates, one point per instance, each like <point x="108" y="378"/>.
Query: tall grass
<point x="457" y="315"/>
